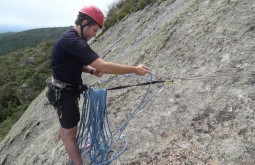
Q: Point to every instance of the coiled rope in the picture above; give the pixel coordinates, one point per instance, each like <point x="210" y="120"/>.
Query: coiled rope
<point x="94" y="129"/>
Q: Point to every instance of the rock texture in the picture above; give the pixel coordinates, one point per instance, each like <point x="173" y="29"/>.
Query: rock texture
<point x="206" y="118"/>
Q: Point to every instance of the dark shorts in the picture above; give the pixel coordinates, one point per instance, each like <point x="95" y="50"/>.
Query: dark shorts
<point x="66" y="106"/>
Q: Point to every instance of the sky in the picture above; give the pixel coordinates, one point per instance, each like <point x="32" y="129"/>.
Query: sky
<point x="27" y="14"/>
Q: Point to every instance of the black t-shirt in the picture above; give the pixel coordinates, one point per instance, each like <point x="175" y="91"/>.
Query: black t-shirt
<point x="69" y="54"/>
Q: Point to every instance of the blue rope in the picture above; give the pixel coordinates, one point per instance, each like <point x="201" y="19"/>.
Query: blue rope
<point x="144" y="101"/>
<point x="94" y="129"/>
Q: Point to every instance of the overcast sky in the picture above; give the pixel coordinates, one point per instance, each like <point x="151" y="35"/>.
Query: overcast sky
<point x="45" y="13"/>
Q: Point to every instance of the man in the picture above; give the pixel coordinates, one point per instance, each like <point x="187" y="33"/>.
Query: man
<point x="71" y="55"/>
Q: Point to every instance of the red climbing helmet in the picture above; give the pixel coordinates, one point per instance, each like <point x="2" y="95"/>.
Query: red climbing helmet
<point x="95" y="13"/>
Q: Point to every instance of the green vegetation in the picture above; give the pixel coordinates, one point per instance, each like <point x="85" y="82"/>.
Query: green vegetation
<point x="24" y="65"/>
<point x="122" y="8"/>
<point x="13" y="41"/>
<point x="22" y="78"/>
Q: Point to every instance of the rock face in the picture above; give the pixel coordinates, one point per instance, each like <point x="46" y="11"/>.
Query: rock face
<point x="205" y="117"/>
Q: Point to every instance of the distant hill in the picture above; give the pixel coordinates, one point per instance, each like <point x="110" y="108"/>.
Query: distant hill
<point x="13" y="41"/>
<point x="12" y="28"/>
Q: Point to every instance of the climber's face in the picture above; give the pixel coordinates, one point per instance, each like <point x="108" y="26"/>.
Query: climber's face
<point x="90" y="31"/>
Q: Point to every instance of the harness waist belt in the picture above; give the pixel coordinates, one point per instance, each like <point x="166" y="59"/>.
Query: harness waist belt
<point x="59" y="84"/>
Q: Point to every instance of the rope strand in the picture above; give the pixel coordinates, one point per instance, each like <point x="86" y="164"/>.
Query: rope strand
<point x="95" y="127"/>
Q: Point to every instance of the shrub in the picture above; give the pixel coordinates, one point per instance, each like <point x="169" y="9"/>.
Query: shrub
<point x="122" y="8"/>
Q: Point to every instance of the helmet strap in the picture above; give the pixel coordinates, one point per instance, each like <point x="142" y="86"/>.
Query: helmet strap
<point x="83" y="26"/>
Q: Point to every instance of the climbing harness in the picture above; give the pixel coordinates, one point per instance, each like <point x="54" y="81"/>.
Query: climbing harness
<point x="57" y="83"/>
<point x="55" y="93"/>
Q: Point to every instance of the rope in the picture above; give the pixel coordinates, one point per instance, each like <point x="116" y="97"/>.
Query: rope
<point x="167" y="81"/>
<point x="146" y="98"/>
<point x="95" y="129"/>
